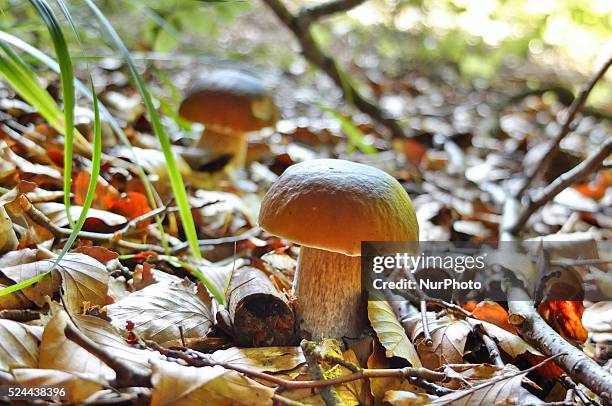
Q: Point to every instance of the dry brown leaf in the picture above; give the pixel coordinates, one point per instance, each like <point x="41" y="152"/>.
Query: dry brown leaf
<point x="78" y="386"/>
<point x="405" y="398"/>
<point x="506" y="391"/>
<point x="158" y="311"/>
<point x="36" y="293"/>
<point x="18" y="345"/>
<point x="380" y="386"/>
<point x="390" y="332"/>
<point x="492" y="312"/>
<point x="58" y="352"/>
<point x="8" y="238"/>
<point x="178" y="385"/>
<point x="449" y="336"/>
<point x="565" y="317"/>
<point x="84" y="279"/>
<point x="512" y="344"/>
<point x="266" y="359"/>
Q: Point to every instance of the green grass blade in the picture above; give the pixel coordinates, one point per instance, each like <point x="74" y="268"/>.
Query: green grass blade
<point x="22" y="285"/>
<point x="354" y="135"/>
<point x="176" y="181"/>
<point x="67" y="79"/>
<point x="69" y="18"/>
<point x="91" y="188"/>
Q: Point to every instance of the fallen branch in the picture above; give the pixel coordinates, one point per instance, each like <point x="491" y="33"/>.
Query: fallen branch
<point x="574" y="108"/>
<point x="254" y="304"/>
<point x="537" y="332"/>
<point x="112" y="238"/>
<point x="197" y="359"/>
<point x="586" y="167"/>
<point x="300" y="26"/>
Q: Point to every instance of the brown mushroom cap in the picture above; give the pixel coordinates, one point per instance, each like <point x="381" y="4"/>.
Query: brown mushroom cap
<point x="333" y="205"/>
<point x="229" y="99"/>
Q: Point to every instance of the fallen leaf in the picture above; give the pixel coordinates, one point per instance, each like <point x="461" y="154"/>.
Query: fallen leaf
<point x="265" y="359"/>
<point x="158" y="310"/>
<point x="499" y="391"/>
<point x="101" y="254"/>
<point x="57" y="214"/>
<point x="380" y="386"/>
<point x="8" y="238"/>
<point x="493" y="313"/>
<point x="565" y="317"/>
<point x="78" y="387"/>
<point x="511" y="343"/>
<point x="390" y="332"/>
<point x="18" y="345"/>
<point x="405" y="398"/>
<point x="58" y="352"/>
<point x="132" y="205"/>
<point x="178" y="385"/>
<point x="448" y="335"/>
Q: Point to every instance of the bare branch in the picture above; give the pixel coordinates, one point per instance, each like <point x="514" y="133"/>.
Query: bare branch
<point x="300" y="26"/>
<point x="574" y="108"/>
<point x="567" y="179"/>
<point x="321" y="10"/>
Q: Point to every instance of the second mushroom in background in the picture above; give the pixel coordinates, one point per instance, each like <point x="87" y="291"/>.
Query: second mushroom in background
<point x="329" y="206"/>
<point x="230" y="104"/>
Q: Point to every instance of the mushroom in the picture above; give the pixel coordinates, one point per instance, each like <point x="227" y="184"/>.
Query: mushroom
<point x="329" y="206"/>
<point x="230" y="104"/>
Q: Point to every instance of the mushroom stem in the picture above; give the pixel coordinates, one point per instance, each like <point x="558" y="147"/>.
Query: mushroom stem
<point x="329" y="303"/>
<point x="218" y="142"/>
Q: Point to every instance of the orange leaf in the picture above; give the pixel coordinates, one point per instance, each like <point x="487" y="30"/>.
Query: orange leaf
<point x="494" y="313"/>
<point x="103" y="196"/>
<point x="100" y="253"/>
<point x="565" y="317"/>
<point x="132" y="205"/>
<point x="596" y="190"/>
<point x="414" y="151"/>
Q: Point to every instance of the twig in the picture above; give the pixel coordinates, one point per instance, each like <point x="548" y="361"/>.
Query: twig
<point x="300" y="26"/>
<point x="329" y="394"/>
<point x="21" y="315"/>
<point x="571" y="385"/>
<point x="574" y="108"/>
<point x="491" y="347"/>
<point x="332" y="359"/>
<point x="426" y="333"/>
<point x="567" y="179"/>
<point x="42" y="220"/>
<point x="126" y="374"/>
<point x="217" y="241"/>
<point x="194" y="358"/>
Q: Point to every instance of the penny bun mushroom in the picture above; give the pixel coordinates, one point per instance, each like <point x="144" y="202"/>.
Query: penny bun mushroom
<point x="329" y="206"/>
<point x="230" y="104"/>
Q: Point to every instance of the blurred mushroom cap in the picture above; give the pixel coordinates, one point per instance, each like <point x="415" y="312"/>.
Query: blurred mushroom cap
<point x="229" y="100"/>
<point x="333" y="205"/>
